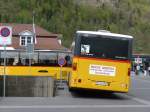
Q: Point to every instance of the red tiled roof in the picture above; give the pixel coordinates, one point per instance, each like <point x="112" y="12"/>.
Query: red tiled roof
<point x="42" y="44"/>
<point x="45" y="41"/>
<point x="18" y="28"/>
<point x="49" y="44"/>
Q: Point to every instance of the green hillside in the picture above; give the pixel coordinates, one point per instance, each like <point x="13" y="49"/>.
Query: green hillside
<point x="66" y="16"/>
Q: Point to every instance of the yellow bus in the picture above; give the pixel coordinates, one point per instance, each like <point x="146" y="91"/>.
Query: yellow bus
<point x="101" y="61"/>
<point x="39" y="63"/>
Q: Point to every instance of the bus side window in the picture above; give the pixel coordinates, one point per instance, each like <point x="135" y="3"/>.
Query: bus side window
<point x="68" y="60"/>
<point x="1" y="61"/>
<point x="15" y="61"/>
<point x="10" y="61"/>
<point x="19" y="62"/>
<point x="27" y="62"/>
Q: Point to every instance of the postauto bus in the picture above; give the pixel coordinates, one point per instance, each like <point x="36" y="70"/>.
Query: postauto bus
<point x="39" y="63"/>
<point x="101" y="61"/>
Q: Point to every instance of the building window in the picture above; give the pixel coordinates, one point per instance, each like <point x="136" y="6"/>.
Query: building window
<point x="29" y="40"/>
<point x="24" y="40"/>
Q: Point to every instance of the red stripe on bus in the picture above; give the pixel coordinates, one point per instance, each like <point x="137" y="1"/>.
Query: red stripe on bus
<point x="28" y="66"/>
<point x="87" y="58"/>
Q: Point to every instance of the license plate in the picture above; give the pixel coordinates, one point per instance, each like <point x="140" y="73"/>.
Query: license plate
<point x="102" y="83"/>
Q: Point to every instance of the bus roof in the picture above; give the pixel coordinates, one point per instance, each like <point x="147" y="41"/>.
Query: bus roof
<point x="105" y="34"/>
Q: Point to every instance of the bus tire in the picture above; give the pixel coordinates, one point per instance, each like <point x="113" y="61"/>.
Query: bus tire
<point x="71" y="90"/>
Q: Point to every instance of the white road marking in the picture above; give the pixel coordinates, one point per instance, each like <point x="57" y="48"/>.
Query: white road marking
<point x="140" y="88"/>
<point x="139" y="100"/>
<point x="143" y="80"/>
<point x="73" y="106"/>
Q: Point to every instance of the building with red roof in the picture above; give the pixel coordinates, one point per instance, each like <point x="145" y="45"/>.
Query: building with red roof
<point x="22" y="34"/>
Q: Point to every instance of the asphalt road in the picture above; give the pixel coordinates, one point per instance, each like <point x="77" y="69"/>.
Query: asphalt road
<point x="137" y="100"/>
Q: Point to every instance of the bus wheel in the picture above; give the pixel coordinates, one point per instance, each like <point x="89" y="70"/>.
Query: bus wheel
<point x="71" y="90"/>
<point x="109" y="92"/>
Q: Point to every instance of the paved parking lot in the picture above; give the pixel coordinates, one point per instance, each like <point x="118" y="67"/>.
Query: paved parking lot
<point x="137" y="100"/>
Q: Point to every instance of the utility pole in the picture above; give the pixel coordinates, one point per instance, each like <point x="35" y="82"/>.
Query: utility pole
<point x="4" y="77"/>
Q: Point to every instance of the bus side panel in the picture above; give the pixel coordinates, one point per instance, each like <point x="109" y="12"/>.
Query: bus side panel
<point x="36" y="71"/>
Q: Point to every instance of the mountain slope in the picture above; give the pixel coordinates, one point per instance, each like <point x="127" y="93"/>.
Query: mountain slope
<point x="66" y="16"/>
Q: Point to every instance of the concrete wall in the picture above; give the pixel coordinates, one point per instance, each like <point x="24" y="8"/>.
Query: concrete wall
<point x="29" y="86"/>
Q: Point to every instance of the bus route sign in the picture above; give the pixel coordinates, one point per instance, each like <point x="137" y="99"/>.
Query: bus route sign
<point x="61" y="62"/>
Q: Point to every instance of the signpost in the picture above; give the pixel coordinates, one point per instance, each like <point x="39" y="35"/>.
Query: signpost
<point x="30" y="48"/>
<point x="5" y="39"/>
<point x="61" y="62"/>
<point x="30" y="52"/>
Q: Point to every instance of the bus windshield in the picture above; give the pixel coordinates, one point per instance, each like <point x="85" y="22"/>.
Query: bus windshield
<point x="105" y="47"/>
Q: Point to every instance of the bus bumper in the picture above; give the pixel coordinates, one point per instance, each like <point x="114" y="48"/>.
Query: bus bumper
<point x="113" y="86"/>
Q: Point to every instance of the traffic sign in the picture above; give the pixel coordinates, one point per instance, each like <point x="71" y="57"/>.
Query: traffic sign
<point x="5" y="32"/>
<point x="61" y="62"/>
<point x="5" y="35"/>
<point x="138" y="60"/>
<point x="5" y="39"/>
<point x="30" y="48"/>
